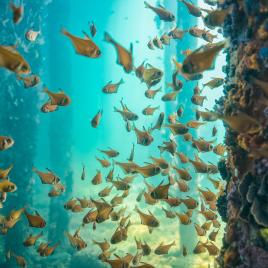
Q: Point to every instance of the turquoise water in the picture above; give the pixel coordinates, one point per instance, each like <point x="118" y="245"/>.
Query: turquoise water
<point x="64" y="140"/>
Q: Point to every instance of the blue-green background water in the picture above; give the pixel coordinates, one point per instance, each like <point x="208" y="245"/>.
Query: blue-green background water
<point x="64" y="140"/>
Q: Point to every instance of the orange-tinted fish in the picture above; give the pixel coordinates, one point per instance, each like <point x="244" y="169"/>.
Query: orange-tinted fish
<point x="18" y="12"/>
<point x="49" y="108"/>
<point x="76" y="240"/>
<point x="187" y="136"/>
<point x="208" y="195"/>
<point x="209" y="215"/>
<point x="105" y="192"/>
<point x="31" y="240"/>
<point x="6" y="186"/>
<point x="215" y="18"/>
<point x="214" y="83"/>
<point x="219" y="149"/>
<point x="159" y="122"/>
<point x="161" y="162"/>
<point x="111" y="88"/>
<point x="183" y="173"/>
<point x="150" y="93"/>
<point x="194" y="124"/>
<point x="104" y="246"/>
<point x="199" y="248"/>
<point x="162" y="13"/>
<point x="182" y="185"/>
<point x="29" y="81"/>
<point x="170" y="96"/>
<point x="161" y="191"/>
<point x="104" y="162"/>
<point x="35" y="220"/>
<point x="198" y="100"/>
<point x="189" y="202"/>
<point x="150" y="110"/>
<point x="163" y="249"/>
<point x="124" y="57"/>
<point x="96" y="119"/>
<point x="146" y="249"/>
<point x="85" y="47"/>
<point x="183" y="158"/>
<point x="199" y="230"/>
<point x="184" y="218"/>
<point x="47" y="177"/>
<point x="143" y="137"/>
<point x="6" y="143"/>
<point x="177" y="33"/>
<point x="201" y="145"/>
<point x="5" y="172"/>
<point x="212" y="236"/>
<point x="149" y="170"/>
<point x="60" y="98"/>
<point x="147" y="219"/>
<point x="97" y="179"/>
<point x="202" y="59"/>
<point x="193" y="10"/>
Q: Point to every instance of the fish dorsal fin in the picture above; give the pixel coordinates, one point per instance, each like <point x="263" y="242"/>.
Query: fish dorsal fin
<point x="161" y="6"/>
<point x="86" y="36"/>
<point x="36" y="212"/>
<point x="12" y="49"/>
<point x="110" y="82"/>
<point x="131" y="48"/>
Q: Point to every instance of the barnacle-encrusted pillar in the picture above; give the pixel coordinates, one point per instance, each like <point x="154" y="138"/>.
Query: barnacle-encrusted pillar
<point x="246" y="169"/>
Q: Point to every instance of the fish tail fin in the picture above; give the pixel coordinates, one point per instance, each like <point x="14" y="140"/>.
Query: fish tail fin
<point x="173" y="243"/>
<point x="161" y="149"/>
<point x="116" y="110"/>
<point x="121" y="81"/>
<point x="64" y="31"/>
<point x="108" y="38"/>
<point x="147" y="5"/>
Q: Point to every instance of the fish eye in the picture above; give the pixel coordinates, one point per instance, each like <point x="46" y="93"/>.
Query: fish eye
<point x="98" y="52"/>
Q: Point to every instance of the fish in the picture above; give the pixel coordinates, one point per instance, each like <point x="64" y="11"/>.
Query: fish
<point x="198" y="100"/>
<point x="111" y="88"/>
<point x="172" y="118"/>
<point x="188" y="137"/>
<point x="219" y="149"/>
<point x="6" y="142"/>
<point x="184" y="251"/>
<point x="128" y="167"/>
<point x="124" y="56"/>
<point x="194" y="124"/>
<point x="182" y="185"/>
<point x="216" y="183"/>
<point x="161" y="191"/>
<point x="29" y="81"/>
<point x="150" y="44"/>
<point x="208" y="214"/>
<point x="147" y="219"/>
<point x="47" y="177"/>
<point x="18" y="13"/>
<point x="199" y="248"/>
<point x="207" y="116"/>
<point x="5" y="172"/>
<point x="92" y="28"/>
<point x="162" y="13"/>
<point x="126" y="114"/>
<point x="202" y="58"/>
<point x="149" y="110"/>
<point x="49" y="108"/>
<point x="163" y="249"/>
<point x="20" y="260"/>
<point x="60" y="98"/>
<point x="48" y="251"/>
<point x="137" y="258"/>
<point x="212" y="249"/>
<point x="202" y="145"/>
<point x="180" y="111"/>
<point x="208" y="195"/>
<point x="32" y="35"/>
<point x="169" y="146"/>
<point x="104" y="245"/>
<point x="215" y="18"/>
<point x="70" y="203"/>
<point x="189" y="202"/>
<point x="241" y="122"/>
<point x="149" y="74"/>
<point x="76" y="240"/>
<point x="165" y="39"/>
<point x="104" y="162"/>
<point x="149" y="170"/>
<point x="159" y="122"/>
<point x="128" y="126"/>
<point x="177" y="129"/>
<point x="169" y="214"/>
<point x="212" y="236"/>
<point x="161" y="162"/>
<point x="116" y="200"/>
<point x="199" y="166"/>
<point x="216" y="223"/>
<point x="214" y="131"/>
<point x="183" y="173"/>
<point x="120" y="185"/>
<point x="177" y="33"/>
<point x="199" y="230"/>
<point x="36" y="220"/>
<point x="97" y="179"/>
<point x="197" y="32"/>
<point x="183" y="158"/>
<point x="146" y="249"/>
<point x="6" y="186"/>
<point x="157" y="43"/>
<point x="131" y="156"/>
<point x="149" y="199"/>
<point x="31" y="239"/>
<point x="184" y="218"/>
<point x="170" y="96"/>
<point x="110" y="153"/>
<point x="13" y="61"/>
<point x="193" y="10"/>
<point x="150" y="93"/>
<point x="144" y="265"/>
<point x="105" y="192"/>
<point x="83" y="46"/>
<point x="97" y="119"/>
<point x="144" y="136"/>
<point x="209" y="37"/>
<point x="214" y="83"/>
<point x="91" y="216"/>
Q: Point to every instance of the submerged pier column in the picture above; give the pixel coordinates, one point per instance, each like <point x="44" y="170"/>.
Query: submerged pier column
<point x="245" y="109"/>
